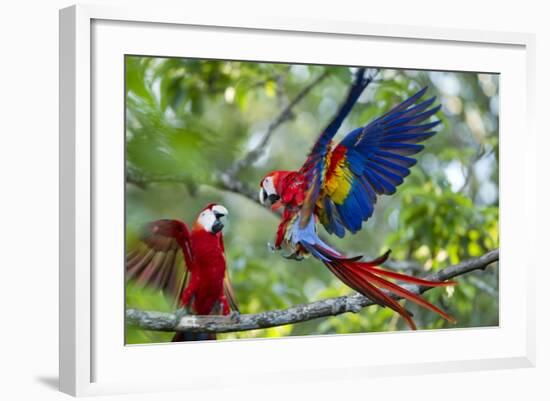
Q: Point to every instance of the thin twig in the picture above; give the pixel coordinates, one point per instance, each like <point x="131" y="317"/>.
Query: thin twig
<point x="285" y="115"/>
<point x="222" y="181"/>
<point x="227" y="180"/>
<point x="161" y="321"/>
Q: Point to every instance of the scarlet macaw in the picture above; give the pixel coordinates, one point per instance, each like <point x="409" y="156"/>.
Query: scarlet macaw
<point x="338" y="186"/>
<point x="201" y="284"/>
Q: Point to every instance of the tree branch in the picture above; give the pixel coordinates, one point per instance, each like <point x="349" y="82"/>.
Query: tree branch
<point x="223" y="181"/>
<point x="161" y="321"/>
<point x="285" y="115"/>
<point x="227" y="180"/>
<point x="229" y="183"/>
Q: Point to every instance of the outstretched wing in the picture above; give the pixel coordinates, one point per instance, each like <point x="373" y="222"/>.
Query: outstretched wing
<point x="316" y="160"/>
<point x="162" y="257"/>
<point x="370" y="161"/>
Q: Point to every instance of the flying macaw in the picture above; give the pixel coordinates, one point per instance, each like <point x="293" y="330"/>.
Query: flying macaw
<point x="187" y="265"/>
<point x="338" y="186"/>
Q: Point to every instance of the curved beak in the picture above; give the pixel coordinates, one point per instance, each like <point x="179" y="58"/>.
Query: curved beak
<point x="217" y="226"/>
<point x="219" y="213"/>
<point x="273" y="198"/>
<point x="268" y="200"/>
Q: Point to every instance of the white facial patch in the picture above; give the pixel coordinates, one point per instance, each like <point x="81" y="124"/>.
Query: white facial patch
<point x="269" y="186"/>
<point x="220" y="210"/>
<point x="207" y="219"/>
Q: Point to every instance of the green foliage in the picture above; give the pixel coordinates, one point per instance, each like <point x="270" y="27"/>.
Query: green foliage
<point x="144" y="298"/>
<point x="193" y="118"/>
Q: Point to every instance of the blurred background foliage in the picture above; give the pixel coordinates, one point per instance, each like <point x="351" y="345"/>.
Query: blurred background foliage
<point x="193" y="118"/>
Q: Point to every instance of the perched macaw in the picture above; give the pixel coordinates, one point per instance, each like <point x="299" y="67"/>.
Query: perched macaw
<point x="338" y="186"/>
<point x="188" y="265"/>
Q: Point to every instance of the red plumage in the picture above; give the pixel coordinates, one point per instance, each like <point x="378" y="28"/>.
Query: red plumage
<point x="291" y="186"/>
<point x="338" y="186"/>
<point x="187" y="265"/>
<point x="364" y="277"/>
<point x="205" y="289"/>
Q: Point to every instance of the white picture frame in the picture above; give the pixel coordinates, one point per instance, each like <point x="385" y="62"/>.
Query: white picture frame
<point x="93" y="36"/>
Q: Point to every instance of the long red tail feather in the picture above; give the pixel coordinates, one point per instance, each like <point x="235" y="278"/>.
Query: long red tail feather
<point x="396" y="289"/>
<point x="361" y="285"/>
<point x="365" y="277"/>
<point x="405" y="277"/>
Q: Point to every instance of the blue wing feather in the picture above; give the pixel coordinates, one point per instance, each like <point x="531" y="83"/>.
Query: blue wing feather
<point x="314" y="165"/>
<point x="392" y="178"/>
<point x="403" y="161"/>
<point x="334" y="225"/>
<point x="378" y="156"/>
